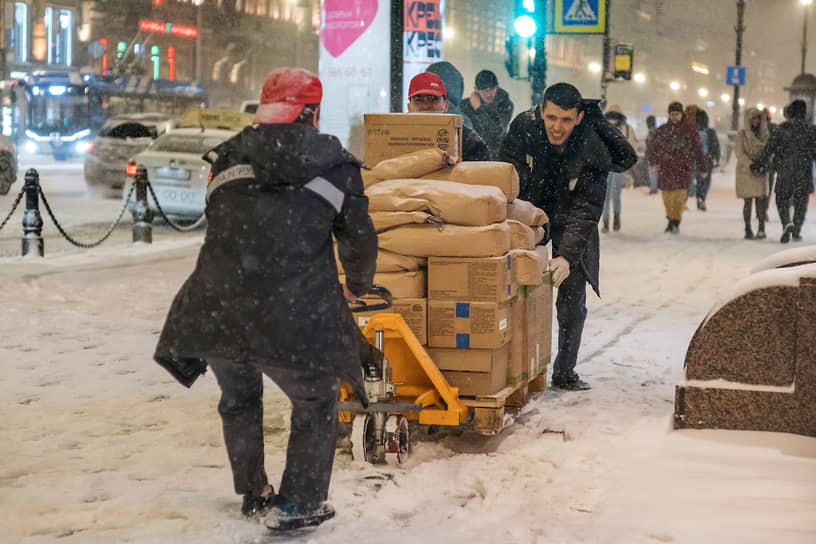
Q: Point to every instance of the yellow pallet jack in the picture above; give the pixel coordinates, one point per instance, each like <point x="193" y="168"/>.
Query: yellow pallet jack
<point x="407" y="386"/>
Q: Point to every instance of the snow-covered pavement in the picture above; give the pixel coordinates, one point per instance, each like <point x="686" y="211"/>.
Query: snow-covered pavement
<point x="98" y="444"/>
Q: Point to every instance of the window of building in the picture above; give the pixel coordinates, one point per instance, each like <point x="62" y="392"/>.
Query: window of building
<point x="20" y="32"/>
<point x="59" y="35"/>
<point x="64" y="37"/>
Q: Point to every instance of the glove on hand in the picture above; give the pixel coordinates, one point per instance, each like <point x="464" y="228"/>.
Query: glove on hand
<point x="560" y="269"/>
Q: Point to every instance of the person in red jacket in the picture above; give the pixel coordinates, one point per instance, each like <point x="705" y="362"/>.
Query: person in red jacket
<point x="674" y="152"/>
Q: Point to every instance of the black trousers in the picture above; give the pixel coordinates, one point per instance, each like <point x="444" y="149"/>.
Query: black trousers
<point x="571" y="312"/>
<point x="796" y="197"/>
<point x="312" y="436"/>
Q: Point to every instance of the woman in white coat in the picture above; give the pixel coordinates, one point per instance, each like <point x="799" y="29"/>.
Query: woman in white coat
<point x="752" y="187"/>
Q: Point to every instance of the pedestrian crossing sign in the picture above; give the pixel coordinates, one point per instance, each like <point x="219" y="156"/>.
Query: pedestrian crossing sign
<point x="580" y="16"/>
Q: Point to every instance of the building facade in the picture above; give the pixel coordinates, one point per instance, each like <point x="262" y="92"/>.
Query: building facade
<point x="40" y="35"/>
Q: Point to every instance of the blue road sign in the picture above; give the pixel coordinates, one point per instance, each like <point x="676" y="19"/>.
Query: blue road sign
<point x="735" y="75"/>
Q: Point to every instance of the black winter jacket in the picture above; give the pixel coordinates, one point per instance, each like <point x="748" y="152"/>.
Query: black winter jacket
<point x="490" y="120"/>
<point x="569" y="186"/>
<point x="266" y="283"/>
<point x="793" y="148"/>
<point x="473" y="147"/>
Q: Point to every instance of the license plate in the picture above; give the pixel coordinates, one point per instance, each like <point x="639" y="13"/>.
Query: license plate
<point x="173" y="173"/>
<point x="179" y="196"/>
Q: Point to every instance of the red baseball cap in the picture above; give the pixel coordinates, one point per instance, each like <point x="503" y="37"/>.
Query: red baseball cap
<point x="427" y="83"/>
<point x="285" y="92"/>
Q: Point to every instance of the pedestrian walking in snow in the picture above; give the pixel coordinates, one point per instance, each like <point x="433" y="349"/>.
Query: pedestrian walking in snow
<point x="490" y="109"/>
<point x="752" y="186"/>
<point x="792" y="147"/>
<point x="264" y="297"/>
<point x="427" y="94"/>
<point x="674" y="152"/>
<point x="651" y="125"/>
<point x="563" y="151"/>
<point x="615" y="180"/>
<point x="711" y="149"/>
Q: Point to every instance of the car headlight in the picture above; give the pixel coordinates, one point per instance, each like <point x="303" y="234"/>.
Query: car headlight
<point x="31" y="147"/>
<point x="82" y="147"/>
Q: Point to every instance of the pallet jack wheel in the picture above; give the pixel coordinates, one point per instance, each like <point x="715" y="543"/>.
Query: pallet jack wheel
<point x="397" y="441"/>
<point x="376" y="438"/>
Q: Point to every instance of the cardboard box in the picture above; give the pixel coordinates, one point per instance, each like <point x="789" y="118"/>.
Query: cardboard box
<point x="456" y="279"/>
<point x="388" y="135"/>
<point x="472" y="383"/>
<point x="538" y="327"/>
<point x="516" y="369"/>
<point x="413" y="310"/>
<point x="410" y="284"/>
<point x="468" y="325"/>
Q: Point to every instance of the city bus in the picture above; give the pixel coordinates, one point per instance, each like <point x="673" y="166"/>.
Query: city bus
<point x="59" y="113"/>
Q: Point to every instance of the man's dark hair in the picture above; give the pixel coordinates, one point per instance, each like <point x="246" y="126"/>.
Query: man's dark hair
<point x="797" y="110"/>
<point x="486" y="80"/>
<point x="307" y="114"/>
<point x="651" y="122"/>
<point x="676" y="106"/>
<point x="563" y="95"/>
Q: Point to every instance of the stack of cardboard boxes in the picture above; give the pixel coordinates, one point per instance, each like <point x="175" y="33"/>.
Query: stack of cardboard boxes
<point x="484" y="313"/>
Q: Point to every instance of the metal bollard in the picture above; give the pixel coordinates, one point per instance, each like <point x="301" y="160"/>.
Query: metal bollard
<point x="32" y="221"/>
<point x="142" y="216"/>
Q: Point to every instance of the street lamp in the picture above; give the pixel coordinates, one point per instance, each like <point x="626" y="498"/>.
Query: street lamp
<point x="640" y="78"/>
<point x="806" y="4"/>
<point x="594" y="67"/>
<point x="674" y="86"/>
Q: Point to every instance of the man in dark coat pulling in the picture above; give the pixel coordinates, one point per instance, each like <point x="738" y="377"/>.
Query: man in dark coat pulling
<point x="563" y="151"/>
<point x="264" y="296"/>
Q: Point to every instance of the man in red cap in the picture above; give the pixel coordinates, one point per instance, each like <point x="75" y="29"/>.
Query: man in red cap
<point x="264" y="296"/>
<point x="427" y="94"/>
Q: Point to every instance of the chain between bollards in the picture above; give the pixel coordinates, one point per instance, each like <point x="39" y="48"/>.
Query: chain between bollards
<point x="32" y="221"/>
<point x="142" y="215"/>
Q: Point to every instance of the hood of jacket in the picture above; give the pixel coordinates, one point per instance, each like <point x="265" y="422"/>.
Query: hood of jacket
<point x="288" y="153"/>
<point x="452" y="78"/>
<point x="615" y="112"/>
<point x="750" y="113"/>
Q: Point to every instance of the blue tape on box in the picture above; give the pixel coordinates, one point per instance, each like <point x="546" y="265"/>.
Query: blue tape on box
<point x="462" y="341"/>
<point x="463" y="310"/>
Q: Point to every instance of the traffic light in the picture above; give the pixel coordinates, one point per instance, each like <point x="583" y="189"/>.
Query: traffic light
<point x="121" y="47"/>
<point x="526" y="28"/>
<point x="624" y="56"/>
<point x="524" y="23"/>
<point x="154" y="56"/>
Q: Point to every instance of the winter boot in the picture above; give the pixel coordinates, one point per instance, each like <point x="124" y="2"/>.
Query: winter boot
<point x="605" y="227"/>
<point x="287" y="516"/>
<point x="669" y="226"/>
<point x="257" y="505"/>
<point x="749" y="234"/>
<point x="786" y="234"/>
<point x="797" y="234"/>
<point x="616" y="223"/>
<point x="760" y="235"/>
<point x="701" y="204"/>
<point x="675" y="226"/>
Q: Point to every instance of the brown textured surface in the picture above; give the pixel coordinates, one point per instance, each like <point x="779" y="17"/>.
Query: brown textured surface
<point x="717" y="352"/>
<point x="752" y="340"/>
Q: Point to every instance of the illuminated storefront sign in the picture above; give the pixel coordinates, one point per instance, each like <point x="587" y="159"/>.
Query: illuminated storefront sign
<point x="169" y="28"/>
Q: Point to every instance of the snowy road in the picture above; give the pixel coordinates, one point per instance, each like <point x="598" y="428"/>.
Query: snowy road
<point x="98" y="444"/>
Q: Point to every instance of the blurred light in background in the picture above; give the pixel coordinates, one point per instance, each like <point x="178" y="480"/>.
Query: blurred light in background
<point x="594" y="67"/>
<point x="640" y="78"/>
<point x="674" y="85"/>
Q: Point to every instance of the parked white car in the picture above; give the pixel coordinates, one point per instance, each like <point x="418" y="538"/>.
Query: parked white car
<point x="176" y="170"/>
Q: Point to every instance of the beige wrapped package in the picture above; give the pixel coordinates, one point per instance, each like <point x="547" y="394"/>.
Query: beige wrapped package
<point x="389" y="262"/>
<point x="539" y="234"/>
<point x="451" y="202"/>
<point x="529" y="265"/>
<point x="527" y="213"/>
<point x="521" y="236"/>
<point x="498" y="174"/>
<point x="451" y="241"/>
<point x="388" y="220"/>
<point x="409" y="165"/>
<point x="401" y="284"/>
